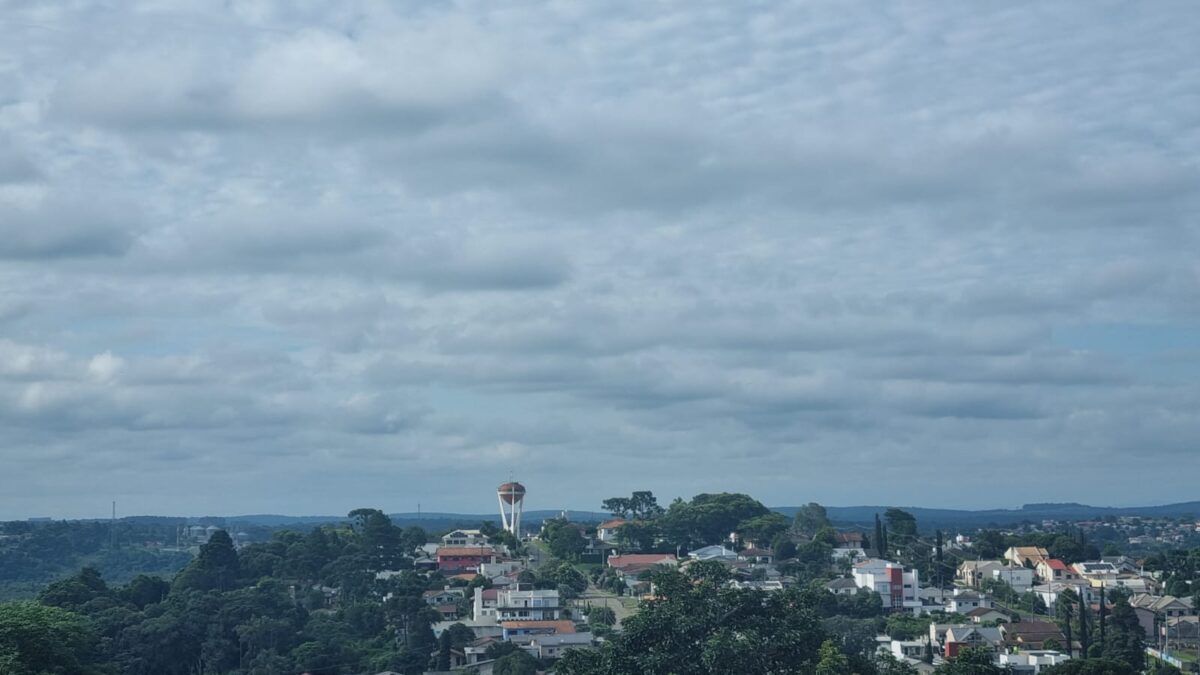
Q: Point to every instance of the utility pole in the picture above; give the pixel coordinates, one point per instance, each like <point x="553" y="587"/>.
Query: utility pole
<point x="112" y="528"/>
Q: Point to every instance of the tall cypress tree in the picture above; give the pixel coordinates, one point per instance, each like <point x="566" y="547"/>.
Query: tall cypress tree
<point x="1064" y="611"/>
<point x="1085" y="639"/>
<point x="879" y="544"/>
<point x="1103" y="616"/>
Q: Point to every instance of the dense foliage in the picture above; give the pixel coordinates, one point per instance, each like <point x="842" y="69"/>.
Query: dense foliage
<point x="300" y="602"/>
<point x="35" y="553"/>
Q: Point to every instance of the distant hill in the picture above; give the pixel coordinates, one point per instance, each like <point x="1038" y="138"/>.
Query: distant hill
<point x="429" y="520"/>
<point x="960" y="518"/>
<point x="927" y="518"/>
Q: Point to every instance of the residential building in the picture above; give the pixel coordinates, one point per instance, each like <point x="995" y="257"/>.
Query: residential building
<point x="987" y="615"/>
<point x="1020" y="578"/>
<point x="607" y="531"/>
<point x="1053" y="569"/>
<point x="553" y="646"/>
<point x="467" y="538"/>
<point x="634" y="563"/>
<point x="897" y="586"/>
<point x="526" y="631"/>
<point x="962" y="636"/>
<point x="718" y="552"/>
<point x="1026" y="556"/>
<point x="1097" y="572"/>
<point x="527" y="605"/>
<point x="842" y="586"/>
<point x="1159" y="608"/>
<point x="1031" y="662"/>
<point x="457" y="559"/>
<point x="849" y="544"/>
<point x="484" y="604"/>
<point x="446" y="596"/>
<point x="965" y="602"/>
<point x="1026" y="635"/>
<point x="973" y="572"/>
<point x="756" y="556"/>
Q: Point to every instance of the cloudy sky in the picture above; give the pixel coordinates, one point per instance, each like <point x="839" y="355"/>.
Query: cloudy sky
<point x="304" y="257"/>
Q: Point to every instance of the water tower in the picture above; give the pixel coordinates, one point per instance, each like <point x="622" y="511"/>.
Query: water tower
<point x="511" y="496"/>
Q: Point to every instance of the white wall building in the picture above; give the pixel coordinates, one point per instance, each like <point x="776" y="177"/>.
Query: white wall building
<point x="527" y="606"/>
<point x="898" y="587"/>
<point x="464" y="538"/>
<point x="1032" y="661"/>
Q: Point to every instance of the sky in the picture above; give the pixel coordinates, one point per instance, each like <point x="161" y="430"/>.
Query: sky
<point x="304" y="257"/>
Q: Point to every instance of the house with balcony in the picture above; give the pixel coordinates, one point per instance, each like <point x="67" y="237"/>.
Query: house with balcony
<point x="527" y="605"/>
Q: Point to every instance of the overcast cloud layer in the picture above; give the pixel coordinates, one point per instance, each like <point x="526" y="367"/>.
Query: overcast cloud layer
<point x="256" y="258"/>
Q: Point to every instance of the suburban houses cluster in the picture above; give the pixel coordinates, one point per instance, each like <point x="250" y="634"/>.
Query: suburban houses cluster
<point x="1025" y="643"/>
<point x="1003" y="605"/>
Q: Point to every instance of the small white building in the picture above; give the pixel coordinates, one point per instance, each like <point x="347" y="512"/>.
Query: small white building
<point x="464" y="538"/>
<point x="607" y="531"/>
<point x="965" y="601"/>
<point x="1032" y="661"/>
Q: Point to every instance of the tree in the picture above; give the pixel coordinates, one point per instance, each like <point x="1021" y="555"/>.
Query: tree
<point x="644" y="506"/>
<point x="901" y="524"/>
<point x="698" y="625"/>
<point x="37" y="640"/>
<point x="880" y="549"/>
<point x="831" y="660"/>
<point x="75" y="591"/>
<point x="810" y="518"/>
<point x="762" y="529"/>
<point x="565" y="541"/>
<point x="708" y="518"/>
<point x="1125" y="642"/>
<point x="601" y="616"/>
<point x="516" y="663"/>
<point x="216" y="568"/>
<point x="638" y="535"/>
<point x="145" y="590"/>
<point x="382" y="542"/>
<point x="618" y="506"/>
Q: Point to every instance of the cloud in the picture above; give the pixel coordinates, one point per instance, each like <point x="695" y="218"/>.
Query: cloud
<point x="347" y="251"/>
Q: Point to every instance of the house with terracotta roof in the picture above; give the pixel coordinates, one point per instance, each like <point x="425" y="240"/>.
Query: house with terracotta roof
<point x="525" y="631"/>
<point x="457" y="559"/>
<point x="634" y="563"/>
<point x="1053" y="569"/>
<point x="849" y="544"/>
<point x="760" y="556"/>
<point x="607" y="531"/>
<point x="1026" y="556"/>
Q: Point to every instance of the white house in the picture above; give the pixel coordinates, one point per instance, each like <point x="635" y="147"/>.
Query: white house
<point x="1032" y="661"/>
<point x="464" y="538"/>
<point x="965" y="602"/>
<point x="527" y="605"/>
<point x="715" y="552"/>
<point x="607" y="531"/>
